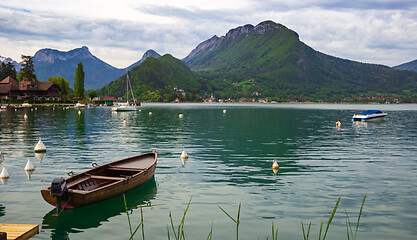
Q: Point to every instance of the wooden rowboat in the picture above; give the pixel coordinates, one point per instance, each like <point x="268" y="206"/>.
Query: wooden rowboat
<point x="101" y="182"/>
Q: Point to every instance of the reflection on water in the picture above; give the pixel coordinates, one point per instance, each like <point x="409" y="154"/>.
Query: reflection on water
<point x="93" y="215"/>
<point x="2" y="210"/>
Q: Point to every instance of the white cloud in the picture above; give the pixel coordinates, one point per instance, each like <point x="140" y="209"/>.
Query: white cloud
<point x="375" y="31"/>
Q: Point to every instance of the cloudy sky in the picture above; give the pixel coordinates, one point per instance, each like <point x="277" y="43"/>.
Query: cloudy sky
<point x="119" y="32"/>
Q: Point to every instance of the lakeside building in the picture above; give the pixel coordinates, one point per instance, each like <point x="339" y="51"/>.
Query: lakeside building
<point x="12" y="89"/>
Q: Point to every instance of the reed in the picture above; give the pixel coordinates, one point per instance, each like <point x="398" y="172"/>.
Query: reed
<point x="132" y="233"/>
<point x="180" y="230"/>
<point x="179" y="234"/>
<point x="349" y="226"/>
<point x="237" y="220"/>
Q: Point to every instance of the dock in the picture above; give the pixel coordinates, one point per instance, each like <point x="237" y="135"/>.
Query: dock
<point x="18" y="231"/>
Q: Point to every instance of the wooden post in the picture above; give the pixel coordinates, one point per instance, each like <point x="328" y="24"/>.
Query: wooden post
<point x="3" y="236"/>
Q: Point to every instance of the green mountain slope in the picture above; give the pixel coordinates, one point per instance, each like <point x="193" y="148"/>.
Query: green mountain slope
<point x="412" y="66"/>
<point x="155" y="80"/>
<point x="270" y="60"/>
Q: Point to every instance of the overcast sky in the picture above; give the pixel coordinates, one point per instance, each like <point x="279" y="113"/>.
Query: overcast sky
<point x="119" y="32"/>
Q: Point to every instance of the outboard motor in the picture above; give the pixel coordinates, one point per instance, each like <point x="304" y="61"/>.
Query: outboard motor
<point x="59" y="190"/>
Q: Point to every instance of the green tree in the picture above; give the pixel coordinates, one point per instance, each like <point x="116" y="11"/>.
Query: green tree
<point x="92" y="94"/>
<point x="7" y="69"/>
<point x="79" y="81"/>
<point x="63" y="85"/>
<point x="28" y="69"/>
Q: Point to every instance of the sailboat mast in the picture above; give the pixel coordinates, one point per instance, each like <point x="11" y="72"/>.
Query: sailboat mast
<point x="127" y="87"/>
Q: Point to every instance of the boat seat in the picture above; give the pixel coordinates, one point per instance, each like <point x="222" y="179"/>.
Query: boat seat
<point x="125" y="169"/>
<point x="107" y="178"/>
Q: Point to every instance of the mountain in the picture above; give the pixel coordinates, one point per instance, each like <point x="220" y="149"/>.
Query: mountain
<point x="51" y="63"/>
<point x="157" y="79"/>
<point x="270" y="60"/>
<point x="411" y="66"/>
<point x="16" y="65"/>
<point x="149" y="53"/>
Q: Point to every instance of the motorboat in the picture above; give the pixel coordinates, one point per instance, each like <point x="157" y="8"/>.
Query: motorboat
<point x="369" y="115"/>
<point x="79" y="105"/>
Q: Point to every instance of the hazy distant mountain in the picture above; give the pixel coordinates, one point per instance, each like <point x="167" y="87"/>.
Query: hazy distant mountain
<point x="51" y="63"/>
<point x="149" y="53"/>
<point x="269" y="59"/>
<point x="17" y="65"/>
<point x="412" y="66"/>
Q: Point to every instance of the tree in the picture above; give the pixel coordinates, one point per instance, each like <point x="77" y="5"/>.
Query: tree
<point x="92" y="94"/>
<point x="79" y="81"/>
<point x="7" y="69"/>
<point x="28" y="69"/>
<point x="63" y="85"/>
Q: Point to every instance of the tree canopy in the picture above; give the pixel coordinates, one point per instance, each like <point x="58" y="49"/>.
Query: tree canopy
<point x="79" y="81"/>
<point x="7" y="69"/>
<point x="63" y="85"/>
<point x="28" y="69"/>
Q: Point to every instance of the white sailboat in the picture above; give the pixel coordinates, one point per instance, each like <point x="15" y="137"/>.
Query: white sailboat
<point x="126" y="106"/>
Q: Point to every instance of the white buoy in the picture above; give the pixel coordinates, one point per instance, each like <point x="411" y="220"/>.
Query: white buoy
<point x="224" y="110"/>
<point x="184" y="154"/>
<point x="150" y="113"/>
<point x="25" y="116"/>
<point x="29" y="166"/>
<point x="275" y="165"/>
<point x="79" y="112"/>
<point x="140" y="110"/>
<point x="1" y="157"/>
<point x="181" y="115"/>
<point x="4" y="174"/>
<point x="40" y="147"/>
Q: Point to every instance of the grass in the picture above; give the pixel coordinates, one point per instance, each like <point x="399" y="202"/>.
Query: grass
<point x="179" y="234"/>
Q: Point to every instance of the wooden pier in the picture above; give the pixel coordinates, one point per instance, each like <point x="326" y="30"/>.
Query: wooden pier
<point x="18" y="231"/>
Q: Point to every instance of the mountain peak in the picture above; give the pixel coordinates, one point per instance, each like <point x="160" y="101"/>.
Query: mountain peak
<point x="48" y="55"/>
<point x="235" y="35"/>
<point x="149" y="53"/>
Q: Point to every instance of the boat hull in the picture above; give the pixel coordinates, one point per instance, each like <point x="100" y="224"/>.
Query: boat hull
<point x="369" y="115"/>
<point x="106" y="181"/>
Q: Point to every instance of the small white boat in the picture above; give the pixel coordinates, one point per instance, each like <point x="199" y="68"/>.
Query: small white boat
<point x="26" y="104"/>
<point x="369" y="115"/>
<point x="126" y="106"/>
<point x="79" y="105"/>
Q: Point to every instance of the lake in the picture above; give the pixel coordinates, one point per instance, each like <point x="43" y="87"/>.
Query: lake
<point x="230" y="161"/>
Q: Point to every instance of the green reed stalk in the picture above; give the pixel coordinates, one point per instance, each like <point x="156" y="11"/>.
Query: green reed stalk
<point x="331" y="217"/>
<point x="308" y="231"/>
<point x="180" y="230"/>
<point x="210" y="235"/>
<point x="274" y="233"/>
<point x="237" y="220"/>
<point x="349" y="226"/>
<point x="127" y="212"/>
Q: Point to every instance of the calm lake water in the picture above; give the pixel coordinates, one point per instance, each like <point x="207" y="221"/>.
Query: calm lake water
<point x="230" y="163"/>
